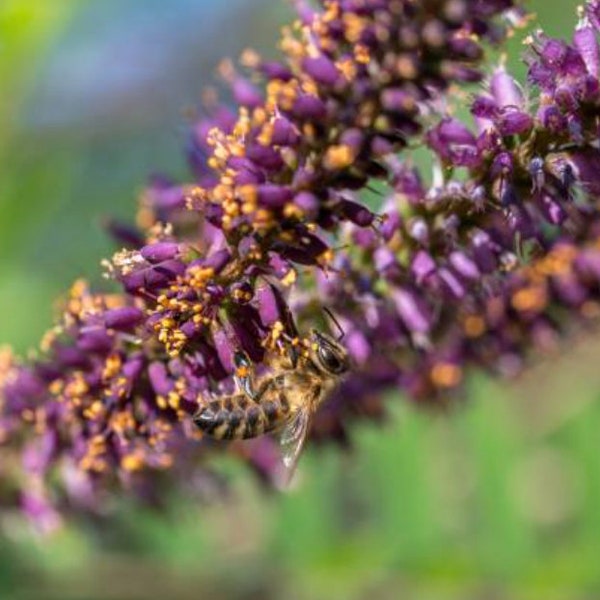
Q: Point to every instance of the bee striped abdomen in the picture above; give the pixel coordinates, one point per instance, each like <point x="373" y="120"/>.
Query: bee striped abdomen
<point x="237" y="417"/>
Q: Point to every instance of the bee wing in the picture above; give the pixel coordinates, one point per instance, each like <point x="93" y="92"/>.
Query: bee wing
<point x="292" y="440"/>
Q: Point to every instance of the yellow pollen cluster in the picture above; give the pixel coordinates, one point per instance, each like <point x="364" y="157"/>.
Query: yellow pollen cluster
<point x="225" y="146"/>
<point x="339" y="157"/>
<point x="321" y="28"/>
<point x="196" y="197"/>
<point x="250" y="58"/>
<point x="362" y="54"/>
<point x="49" y="338"/>
<point x="94" y="411"/>
<point x="200" y="276"/>
<point x="171" y="336"/>
<point x="282" y="94"/>
<point x="347" y="68"/>
<point x="532" y="298"/>
<point x="79" y="290"/>
<point x="56" y="387"/>
<point x="289" y="278"/>
<point x="266" y="134"/>
<point x="264" y="220"/>
<point x="474" y="326"/>
<point x="76" y="388"/>
<point x="558" y="262"/>
<point x="112" y="367"/>
<point x="273" y="339"/>
<point x="144" y="218"/>
<point x="248" y="195"/>
<point x="133" y="462"/>
<point x="80" y="303"/>
<point x="325" y="258"/>
<point x="159" y="232"/>
<point x="292" y="211"/>
<point x="172" y="303"/>
<point x="242" y="371"/>
<point x="242" y="295"/>
<point x="118" y="388"/>
<point x="122" y="422"/>
<point x="446" y="375"/>
<point x="354" y="27"/>
<point x="94" y="459"/>
<point x="174" y="400"/>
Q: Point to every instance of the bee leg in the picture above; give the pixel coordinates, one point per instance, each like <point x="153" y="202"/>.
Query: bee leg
<point x="292" y="352"/>
<point x="293" y="356"/>
<point x="244" y="374"/>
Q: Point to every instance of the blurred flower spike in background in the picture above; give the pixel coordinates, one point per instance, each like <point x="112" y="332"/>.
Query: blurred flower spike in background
<point x="307" y="197"/>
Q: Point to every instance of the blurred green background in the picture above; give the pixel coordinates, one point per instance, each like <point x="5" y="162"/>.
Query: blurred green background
<point x="498" y="500"/>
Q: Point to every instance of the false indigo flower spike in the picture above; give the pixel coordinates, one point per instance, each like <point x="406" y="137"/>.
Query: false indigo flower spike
<point x="492" y="260"/>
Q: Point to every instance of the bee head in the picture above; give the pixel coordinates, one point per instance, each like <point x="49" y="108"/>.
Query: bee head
<point x="328" y="355"/>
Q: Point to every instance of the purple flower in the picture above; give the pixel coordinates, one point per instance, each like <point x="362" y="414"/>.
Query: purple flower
<point x="475" y="270"/>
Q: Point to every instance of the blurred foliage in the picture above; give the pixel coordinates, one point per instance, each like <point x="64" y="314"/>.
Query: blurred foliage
<point x="26" y="32"/>
<point x="498" y="499"/>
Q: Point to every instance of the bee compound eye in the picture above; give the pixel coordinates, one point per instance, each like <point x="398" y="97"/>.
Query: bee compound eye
<point x="330" y="361"/>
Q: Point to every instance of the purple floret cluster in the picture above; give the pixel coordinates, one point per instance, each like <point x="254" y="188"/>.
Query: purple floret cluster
<point x="307" y="196"/>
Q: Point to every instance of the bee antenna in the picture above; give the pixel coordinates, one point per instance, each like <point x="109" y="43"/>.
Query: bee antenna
<point x="335" y="321"/>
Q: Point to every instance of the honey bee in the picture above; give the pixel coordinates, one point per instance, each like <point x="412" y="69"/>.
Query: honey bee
<point x="283" y="402"/>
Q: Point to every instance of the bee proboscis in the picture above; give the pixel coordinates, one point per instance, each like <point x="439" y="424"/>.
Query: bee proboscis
<point x="282" y="402"/>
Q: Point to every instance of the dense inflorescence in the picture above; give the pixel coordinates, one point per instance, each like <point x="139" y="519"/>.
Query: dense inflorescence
<point x="306" y="198"/>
